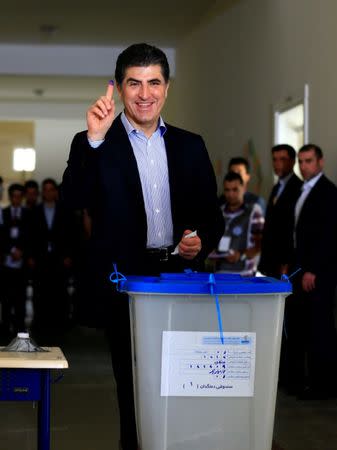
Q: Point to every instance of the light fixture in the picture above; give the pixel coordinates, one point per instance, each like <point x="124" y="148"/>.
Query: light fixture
<point x="24" y="159"/>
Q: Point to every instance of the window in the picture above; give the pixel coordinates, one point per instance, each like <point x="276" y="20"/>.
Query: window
<point x="24" y="159"/>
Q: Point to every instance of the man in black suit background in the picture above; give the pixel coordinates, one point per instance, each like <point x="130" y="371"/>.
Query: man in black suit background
<point x="277" y="241"/>
<point x="51" y="248"/>
<point x="277" y="247"/>
<point x="311" y="329"/>
<point x="146" y="185"/>
<point x="13" y="248"/>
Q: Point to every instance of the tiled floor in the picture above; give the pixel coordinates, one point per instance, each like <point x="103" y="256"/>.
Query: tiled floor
<point x="84" y="406"/>
<point x="305" y="425"/>
<point x="85" y="415"/>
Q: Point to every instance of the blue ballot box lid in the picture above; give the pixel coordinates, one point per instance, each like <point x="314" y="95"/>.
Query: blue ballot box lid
<point x="200" y="283"/>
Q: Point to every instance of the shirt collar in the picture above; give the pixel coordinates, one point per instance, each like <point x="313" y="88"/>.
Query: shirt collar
<point x="131" y="129"/>
<point x="283" y="181"/>
<point x="49" y="207"/>
<point x="228" y="211"/>
<point x="311" y="183"/>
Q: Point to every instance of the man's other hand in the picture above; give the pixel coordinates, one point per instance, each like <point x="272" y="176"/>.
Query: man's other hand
<point x="189" y="247"/>
<point x="308" y="281"/>
<point x="233" y="256"/>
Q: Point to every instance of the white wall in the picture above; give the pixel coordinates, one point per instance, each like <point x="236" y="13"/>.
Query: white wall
<point x="63" y="59"/>
<point x="232" y="70"/>
<point x="52" y="142"/>
<point x="55" y="126"/>
<point x="229" y="73"/>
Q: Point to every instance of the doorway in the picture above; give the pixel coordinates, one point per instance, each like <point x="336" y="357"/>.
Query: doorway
<point x="291" y="123"/>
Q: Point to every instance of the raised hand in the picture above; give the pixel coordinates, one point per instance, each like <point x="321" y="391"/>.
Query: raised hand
<point x="101" y="114"/>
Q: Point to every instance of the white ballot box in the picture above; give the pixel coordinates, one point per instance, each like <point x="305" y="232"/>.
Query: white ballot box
<point x="206" y="356"/>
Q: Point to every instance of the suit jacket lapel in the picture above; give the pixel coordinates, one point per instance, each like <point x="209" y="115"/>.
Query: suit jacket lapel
<point x="307" y="205"/>
<point x="126" y="157"/>
<point x="128" y="164"/>
<point x="173" y="168"/>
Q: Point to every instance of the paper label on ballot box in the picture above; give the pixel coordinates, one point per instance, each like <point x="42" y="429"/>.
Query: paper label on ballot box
<point x="199" y="364"/>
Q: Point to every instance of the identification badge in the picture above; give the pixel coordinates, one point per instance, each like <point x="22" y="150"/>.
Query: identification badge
<point x="237" y="231"/>
<point x="224" y="244"/>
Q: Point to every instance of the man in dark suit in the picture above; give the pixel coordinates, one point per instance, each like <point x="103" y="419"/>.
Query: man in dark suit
<point x="51" y="253"/>
<point x="32" y="194"/>
<point x="13" y="246"/>
<point x="277" y="248"/>
<point x="146" y="185"/>
<point x="311" y="329"/>
<point x="277" y="242"/>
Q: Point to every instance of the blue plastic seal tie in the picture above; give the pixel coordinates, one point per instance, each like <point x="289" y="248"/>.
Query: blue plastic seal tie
<point x="211" y="282"/>
<point x="285" y="277"/>
<point x="116" y="277"/>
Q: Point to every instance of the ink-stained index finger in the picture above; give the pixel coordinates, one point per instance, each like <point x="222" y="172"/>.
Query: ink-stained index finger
<point x="110" y="90"/>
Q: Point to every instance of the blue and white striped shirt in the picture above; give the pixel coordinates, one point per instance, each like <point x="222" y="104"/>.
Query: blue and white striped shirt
<point x="150" y="154"/>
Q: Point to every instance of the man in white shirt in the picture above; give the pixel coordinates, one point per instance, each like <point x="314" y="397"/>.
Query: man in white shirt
<point x="146" y="185"/>
<point x="309" y="313"/>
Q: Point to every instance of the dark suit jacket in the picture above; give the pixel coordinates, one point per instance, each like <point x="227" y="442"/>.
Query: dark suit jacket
<point x="59" y="238"/>
<point x="106" y="182"/>
<point x="316" y="231"/>
<point x="277" y="241"/>
<point x="7" y="241"/>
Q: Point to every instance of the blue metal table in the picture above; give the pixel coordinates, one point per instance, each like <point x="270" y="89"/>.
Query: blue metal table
<point x="27" y="377"/>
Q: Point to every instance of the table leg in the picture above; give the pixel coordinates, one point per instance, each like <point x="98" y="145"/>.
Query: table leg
<point x="43" y="437"/>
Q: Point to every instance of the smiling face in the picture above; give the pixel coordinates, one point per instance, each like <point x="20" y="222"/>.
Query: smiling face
<point x="143" y="92"/>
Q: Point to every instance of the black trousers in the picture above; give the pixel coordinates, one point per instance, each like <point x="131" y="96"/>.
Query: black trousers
<point x="119" y="340"/>
<point x="51" y="302"/>
<point x="13" y="296"/>
<point x="311" y="348"/>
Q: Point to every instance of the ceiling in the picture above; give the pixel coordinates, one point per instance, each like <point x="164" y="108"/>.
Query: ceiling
<point x="86" y="23"/>
<point x="105" y="23"/>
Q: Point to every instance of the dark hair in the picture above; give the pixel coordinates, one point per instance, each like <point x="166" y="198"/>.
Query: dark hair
<point x="239" y="160"/>
<point x="15" y="187"/>
<point x="31" y="184"/>
<point x="141" y="55"/>
<point x="49" y="181"/>
<point x="233" y="176"/>
<point x="288" y="148"/>
<point x="306" y="148"/>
